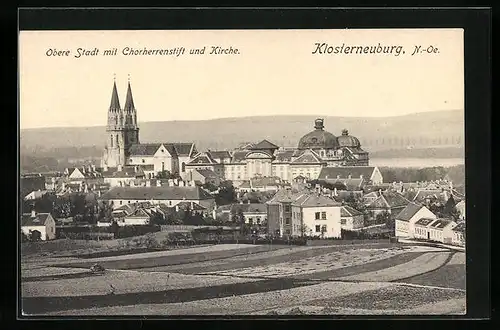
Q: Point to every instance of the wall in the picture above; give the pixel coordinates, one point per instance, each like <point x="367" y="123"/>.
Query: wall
<point x="309" y="171"/>
<point x="209" y="203"/>
<point x="403" y="229"/>
<point x="26" y="230"/>
<point x="422" y="213"/>
<point x="131" y="221"/>
<point x="50" y="225"/>
<point x="354" y="222"/>
<point x="273" y="218"/>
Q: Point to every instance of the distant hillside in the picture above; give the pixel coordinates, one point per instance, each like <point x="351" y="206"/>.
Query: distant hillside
<point x="420" y="130"/>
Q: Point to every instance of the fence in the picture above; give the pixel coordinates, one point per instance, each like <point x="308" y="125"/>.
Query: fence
<point x="169" y="228"/>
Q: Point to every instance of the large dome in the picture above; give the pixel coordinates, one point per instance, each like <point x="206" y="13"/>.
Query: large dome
<point x="346" y="140"/>
<point x="319" y="138"/>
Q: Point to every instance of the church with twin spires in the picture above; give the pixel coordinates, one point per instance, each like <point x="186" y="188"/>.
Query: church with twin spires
<point x="123" y="148"/>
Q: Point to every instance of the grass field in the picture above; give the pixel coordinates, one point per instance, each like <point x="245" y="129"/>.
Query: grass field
<point x="247" y="279"/>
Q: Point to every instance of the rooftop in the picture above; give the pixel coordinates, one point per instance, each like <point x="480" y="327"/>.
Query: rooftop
<point x="157" y="193"/>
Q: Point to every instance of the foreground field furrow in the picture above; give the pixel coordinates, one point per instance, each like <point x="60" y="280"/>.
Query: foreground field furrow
<point x="239" y="304"/>
<point x="447" y="307"/>
<point x="296" y="266"/>
<point x="167" y="258"/>
<point x="452" y="276"/>
<point x="234" y="267"/>
<point x="49" y="271"/>
<point x="395" y="297"/>
<point x="121" y="282"/>
<point x="44" y="304"/>
<point x="273" y="256"/>
<point x="422" y="264"/>
<point x="362" y="268"/>
<point x="457" y="259"/>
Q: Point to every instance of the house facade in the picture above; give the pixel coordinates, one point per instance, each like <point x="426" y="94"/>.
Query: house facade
<point x="406" y="219"/>
<point x="316" y="215"/>
<point x="350" y="218"/>
<point x="43" y="223"/>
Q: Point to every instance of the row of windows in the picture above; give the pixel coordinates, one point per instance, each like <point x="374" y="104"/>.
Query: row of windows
<point x="321" y="229"/>
<point x="320" y="215"/>
<point x="297" y="215"/>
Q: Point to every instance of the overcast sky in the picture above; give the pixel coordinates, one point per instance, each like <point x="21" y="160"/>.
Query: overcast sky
<point x="274" y="74"/>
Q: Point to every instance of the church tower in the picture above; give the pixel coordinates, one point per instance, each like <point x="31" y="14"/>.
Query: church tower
<point x="121" y="129"/>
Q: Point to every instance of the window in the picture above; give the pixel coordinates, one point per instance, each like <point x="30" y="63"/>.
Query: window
<point x="286" y="208"/>
<point x="316" y="215"/>
<point x="318" y="228"/>
<point x="128" y="202"/>
<point x="323" y="215"/>
<point x="258" y="220"/>
<point x="343" y="221"/>
<point x="143" y="161"/>
<point x="250" y="221"/>
<point x="121" y="202"/>
<point x="287" y="221"/>
<point x="288" y="231"/>
<point x="323" y="228"/>
<point x="111" y="141"/>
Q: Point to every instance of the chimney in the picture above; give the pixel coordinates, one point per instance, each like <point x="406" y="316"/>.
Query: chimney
<point x="120" y="168"/>
<point x="83" y="169"/>
<point x="361" y="176"/>
<point x="214" y="214"/>
<point x="158" y="183"/>
<point x="177" y="208"/>
<point x="380" y="192"/>
<point x="192" y="205"/>
<point x="335" y="191"/>
<point x="33" y="213"/>
<point x="148" y="183"/>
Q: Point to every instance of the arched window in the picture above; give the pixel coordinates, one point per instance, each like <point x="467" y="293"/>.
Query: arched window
<point x="183" y="167"/>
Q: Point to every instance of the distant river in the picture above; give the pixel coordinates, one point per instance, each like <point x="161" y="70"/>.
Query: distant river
<point x="416" y="162"/>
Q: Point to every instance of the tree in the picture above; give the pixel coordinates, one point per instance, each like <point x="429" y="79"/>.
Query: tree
<point x="24" y="237"/>
<point x="385" y="217"/>
<point x="303" y="230"/>
<point x="35" y="236"/>
<point x="227" y="193"/>
<point x="115" y="228"/>
<point x="209" y="186"/>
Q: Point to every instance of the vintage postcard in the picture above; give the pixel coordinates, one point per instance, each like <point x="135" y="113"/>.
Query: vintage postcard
<point x="242" y="172"/>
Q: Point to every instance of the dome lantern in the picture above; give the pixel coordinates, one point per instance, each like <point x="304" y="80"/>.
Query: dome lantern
<point x="318" y="124"/>
<point x="345" y="132"/>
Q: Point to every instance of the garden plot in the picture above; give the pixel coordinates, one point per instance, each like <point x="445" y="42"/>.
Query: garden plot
<point x="122" y="282"/>
<point x="242" y="304"/>
<point x="258" y="258"/>
<point x="422" y="264"/>
<point x="394" y="297"/>
<point x="49" y="271"/>
<point x="450" y="306"/>
<point x="321" y="263"/>
<point x="457" y="259"/>
<point x="200" y="250"/>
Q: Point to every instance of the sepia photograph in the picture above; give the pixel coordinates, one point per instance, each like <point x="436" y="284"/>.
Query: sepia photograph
<point x="242" y="172"/>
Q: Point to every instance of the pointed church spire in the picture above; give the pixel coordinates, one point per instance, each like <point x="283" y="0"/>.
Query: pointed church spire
<point x="129" y="102"/>
<point x="115" y="102"/>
